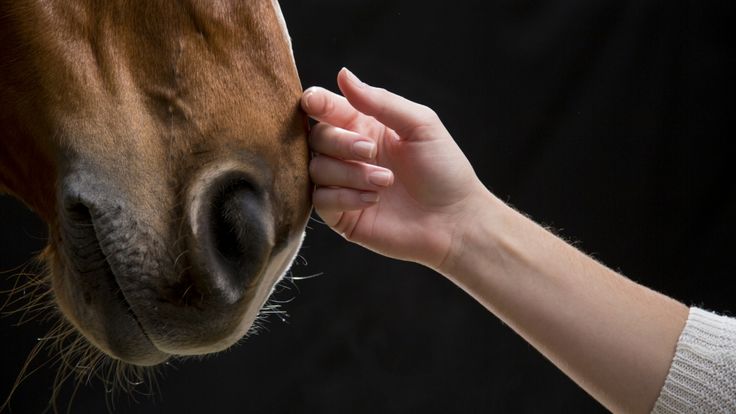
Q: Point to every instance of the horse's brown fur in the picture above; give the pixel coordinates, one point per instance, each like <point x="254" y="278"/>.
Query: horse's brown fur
<point x="144" y="96"/>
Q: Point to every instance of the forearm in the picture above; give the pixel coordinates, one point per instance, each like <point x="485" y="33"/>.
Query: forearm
<point x="613" y="337"/>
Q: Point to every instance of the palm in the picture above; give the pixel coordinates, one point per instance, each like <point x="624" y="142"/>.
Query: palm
<point x="425" y="191"/>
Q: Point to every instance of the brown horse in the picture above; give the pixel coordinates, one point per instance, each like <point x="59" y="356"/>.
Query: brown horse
<point x="162" y="142"/>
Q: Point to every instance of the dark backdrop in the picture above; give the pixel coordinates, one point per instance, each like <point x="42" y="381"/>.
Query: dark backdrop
<point x="606" y="120"/>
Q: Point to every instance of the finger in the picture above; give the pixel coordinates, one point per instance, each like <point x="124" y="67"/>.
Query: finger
<point x="329" y="200"/>
<point x="341" y="143"/>
<point x="329" y="107"/>
<point x="330" y="172"/>
<point x="394" y="111"/>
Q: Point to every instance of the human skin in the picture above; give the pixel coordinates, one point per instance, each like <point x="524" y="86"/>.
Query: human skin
<point x="391" y="178"/>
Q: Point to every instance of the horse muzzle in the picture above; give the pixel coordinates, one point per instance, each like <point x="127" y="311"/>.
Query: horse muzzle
<point x="187" y="280"/>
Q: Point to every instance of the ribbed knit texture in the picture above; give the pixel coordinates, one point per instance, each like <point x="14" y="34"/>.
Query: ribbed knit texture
<point x="702" y="378"/>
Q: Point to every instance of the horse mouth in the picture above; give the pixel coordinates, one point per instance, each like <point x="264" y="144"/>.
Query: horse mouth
<point x="116" y="328"/>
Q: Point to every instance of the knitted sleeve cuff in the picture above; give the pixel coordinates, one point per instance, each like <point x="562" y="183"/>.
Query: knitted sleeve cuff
<point x="702" y="378"/>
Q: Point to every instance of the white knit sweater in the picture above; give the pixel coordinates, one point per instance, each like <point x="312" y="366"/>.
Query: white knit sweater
<point x="702" y="378"/>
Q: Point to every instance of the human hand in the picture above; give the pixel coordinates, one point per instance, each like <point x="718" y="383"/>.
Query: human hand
<point x="389" y="176"/>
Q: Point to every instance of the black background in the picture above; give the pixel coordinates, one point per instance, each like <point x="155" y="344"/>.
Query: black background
<point x="607" y="120"/>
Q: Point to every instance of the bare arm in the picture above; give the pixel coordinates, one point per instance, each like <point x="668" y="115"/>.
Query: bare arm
<point x="613" y="337"/>
<point x="408" y="192"/>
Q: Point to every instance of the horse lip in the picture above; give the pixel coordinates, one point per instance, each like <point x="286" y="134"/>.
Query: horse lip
<point x="124" y="301"/>
<point x="83" y="237"/>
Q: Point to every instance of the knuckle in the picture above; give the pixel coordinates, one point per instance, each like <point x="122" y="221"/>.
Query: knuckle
<point x="329" y="107"/>
<point x="428" y="114"/>
<point x="365" y="173"/>
<point x="336" y="141"/>
<point x="382" y="91"/>
<point x="382" y="99"/>
<point x="346" y="146"/>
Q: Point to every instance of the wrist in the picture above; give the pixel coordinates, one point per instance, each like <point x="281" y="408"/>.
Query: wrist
<point x="472" y="228"/>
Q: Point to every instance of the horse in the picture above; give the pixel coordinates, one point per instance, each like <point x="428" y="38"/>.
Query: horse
<point x="163" y="145"/>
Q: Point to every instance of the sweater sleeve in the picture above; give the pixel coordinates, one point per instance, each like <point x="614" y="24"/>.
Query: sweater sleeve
<point x="702" y="378"/>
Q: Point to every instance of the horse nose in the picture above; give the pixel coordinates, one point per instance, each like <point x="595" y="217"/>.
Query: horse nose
<point x="232" y="236"/>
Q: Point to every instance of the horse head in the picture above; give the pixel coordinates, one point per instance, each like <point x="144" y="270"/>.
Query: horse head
<point x="162" y="143"/>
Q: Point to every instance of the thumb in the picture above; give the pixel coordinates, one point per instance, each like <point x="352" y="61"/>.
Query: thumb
<point x="394" y="111"/>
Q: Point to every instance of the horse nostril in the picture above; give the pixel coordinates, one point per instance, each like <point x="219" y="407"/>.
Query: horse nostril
<point x="230" y="219"/>
<point x="79" y="214"/>
<point x="235" y="240"/>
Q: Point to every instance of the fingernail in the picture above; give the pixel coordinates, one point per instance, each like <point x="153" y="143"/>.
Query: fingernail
<point x="370" y="197"/>
<point x="365" y="149"/>
<point x="353" y="79"/>
<point x="381" y="178"/>
<point x="308" y="99"/>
